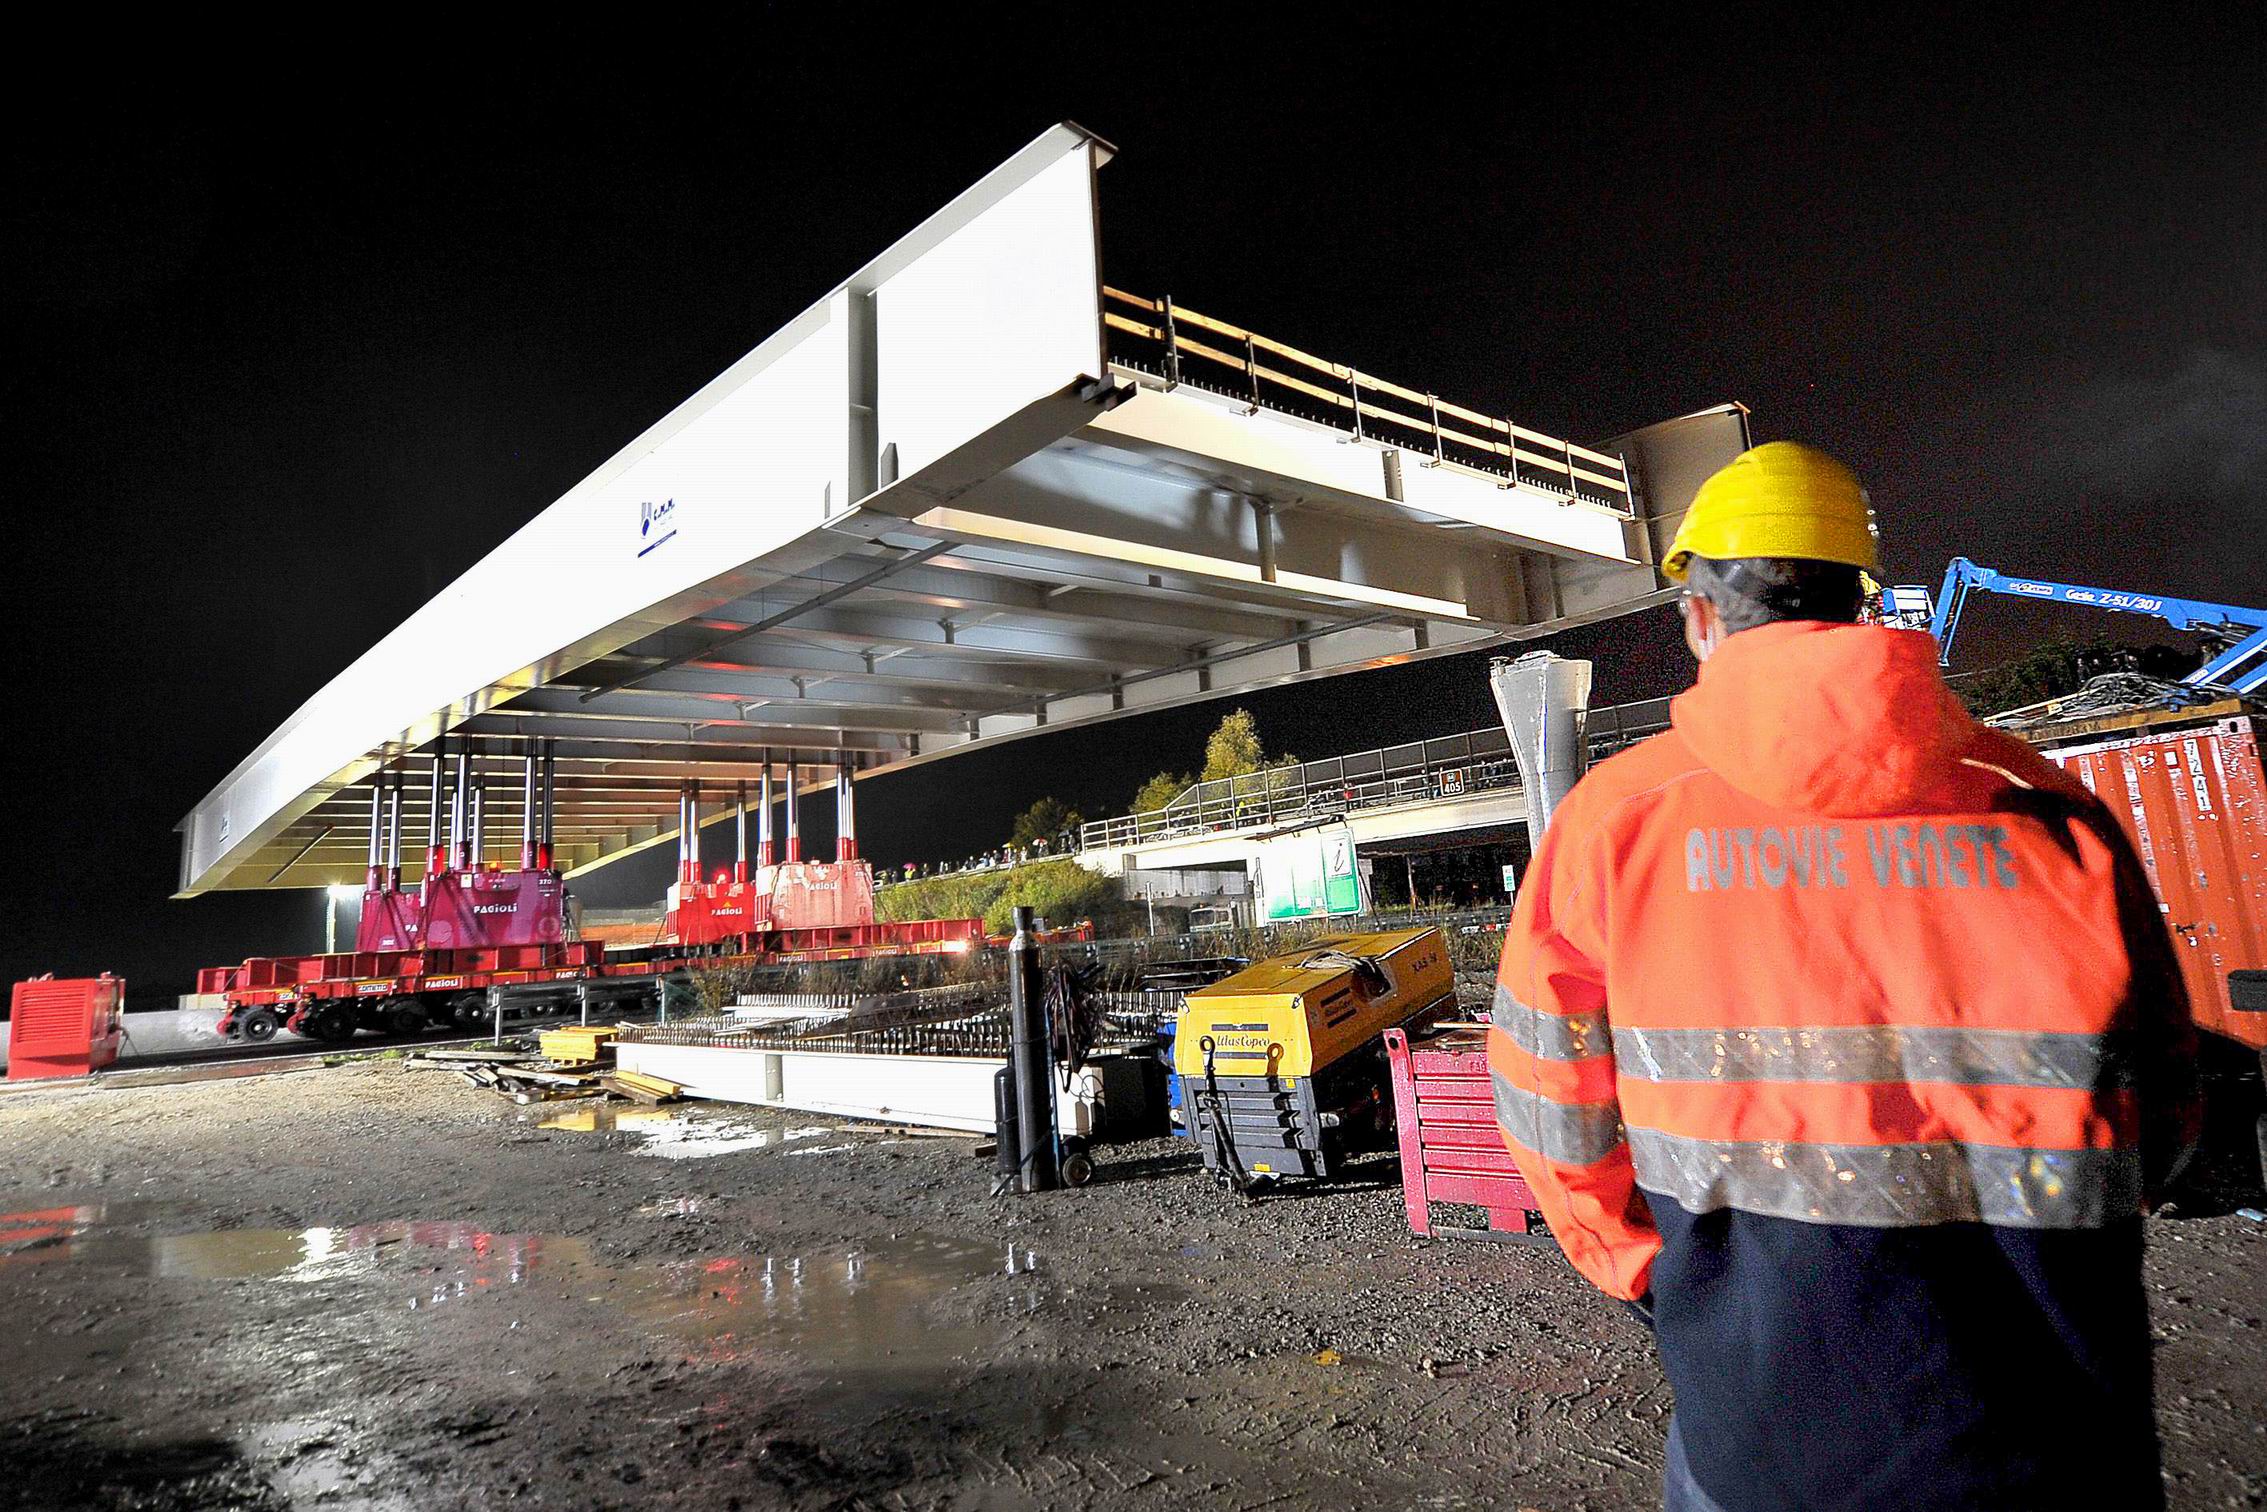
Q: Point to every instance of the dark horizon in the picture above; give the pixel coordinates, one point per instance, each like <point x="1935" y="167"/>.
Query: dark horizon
<point x="293" y="353"/>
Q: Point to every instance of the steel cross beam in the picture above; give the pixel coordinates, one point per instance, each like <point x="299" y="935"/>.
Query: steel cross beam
<point x="844" y="590"/>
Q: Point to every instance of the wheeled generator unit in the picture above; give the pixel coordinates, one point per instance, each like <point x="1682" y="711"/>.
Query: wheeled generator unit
<point x="1282" y="1065"/>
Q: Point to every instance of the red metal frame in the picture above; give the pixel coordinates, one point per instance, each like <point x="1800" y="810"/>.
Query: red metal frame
<point x="296" y="984"/>
<point x="1445" y="1117"/>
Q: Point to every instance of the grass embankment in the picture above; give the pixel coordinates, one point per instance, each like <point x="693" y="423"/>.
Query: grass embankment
<point x="1060" y="891"/>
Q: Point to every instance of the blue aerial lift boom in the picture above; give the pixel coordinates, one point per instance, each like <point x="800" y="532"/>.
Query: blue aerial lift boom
<point x="2239" y="633"/>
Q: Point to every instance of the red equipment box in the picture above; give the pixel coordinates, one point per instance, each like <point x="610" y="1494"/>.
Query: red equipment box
<point x="709" y="913"/>
<point x="64" y="1028"/>
<point x="1445" y="1115"/>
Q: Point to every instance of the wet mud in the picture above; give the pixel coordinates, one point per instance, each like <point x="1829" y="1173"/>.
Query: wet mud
<point x="367" y="1288"/>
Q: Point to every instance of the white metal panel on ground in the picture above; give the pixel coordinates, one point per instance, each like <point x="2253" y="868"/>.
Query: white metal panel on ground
<point x="928" y="1091"/>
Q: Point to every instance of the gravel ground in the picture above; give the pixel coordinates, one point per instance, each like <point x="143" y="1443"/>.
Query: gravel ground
<point x="372" y="1288"/>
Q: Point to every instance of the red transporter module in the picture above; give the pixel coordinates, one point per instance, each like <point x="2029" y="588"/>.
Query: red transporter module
<point x="808" y="895"/>
<point x="424" y="957"/>
<point x="64" y="1028"/>
<point x="792" y="907"/>
<point x="468" y="905"/>
<point x="730" y="907"/>
<point x="478" y="928"/>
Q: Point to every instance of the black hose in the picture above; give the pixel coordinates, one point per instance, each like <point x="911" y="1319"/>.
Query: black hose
<point x="1223" y="1137"/>
<point x="1076" y="1018"/>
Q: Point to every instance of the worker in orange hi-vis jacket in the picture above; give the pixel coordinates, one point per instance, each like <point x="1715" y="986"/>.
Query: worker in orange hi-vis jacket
<point x="1841" y="1035"/>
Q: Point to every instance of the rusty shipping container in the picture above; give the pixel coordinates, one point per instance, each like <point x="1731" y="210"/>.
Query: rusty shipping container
<point x="2189" y="787"/>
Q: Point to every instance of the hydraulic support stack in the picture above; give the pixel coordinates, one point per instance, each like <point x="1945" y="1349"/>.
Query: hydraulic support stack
<point x="707" y="913"/>
<point x="391" y="918"/>
<point x="463" y="903"/>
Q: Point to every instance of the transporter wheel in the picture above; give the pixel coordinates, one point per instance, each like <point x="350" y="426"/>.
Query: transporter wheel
<point x="467" y="1009"/>
<point x="258" y="1025"/>
<point x="402" y="1015"/>
<point x="332" y="1023"/>
<point x="1078" y="1168"/>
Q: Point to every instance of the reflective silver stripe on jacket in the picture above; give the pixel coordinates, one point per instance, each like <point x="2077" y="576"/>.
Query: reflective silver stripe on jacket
<point x="1571" y="1133"/>
<point x="1891" y="1186"/>
<point x="1875" y="1053"/>
<point x="1550" y="1036"/>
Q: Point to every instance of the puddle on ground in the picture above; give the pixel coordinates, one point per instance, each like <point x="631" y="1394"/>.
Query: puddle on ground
<point x="873" y="1305"/>
<point x="314" y="1254"/>
<point x="602" y="1118"/>
<point x="681" y="1134"/>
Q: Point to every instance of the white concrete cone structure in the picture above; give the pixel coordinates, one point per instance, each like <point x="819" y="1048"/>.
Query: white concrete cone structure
<point x="1544" y="700"/>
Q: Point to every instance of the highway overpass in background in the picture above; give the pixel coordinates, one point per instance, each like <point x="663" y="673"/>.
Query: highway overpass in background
<point x="1429" y="794"/>
<point x="972" y="495"/>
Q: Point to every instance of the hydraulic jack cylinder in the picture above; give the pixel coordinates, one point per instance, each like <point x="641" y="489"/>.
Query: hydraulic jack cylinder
<point x="436" y="851"/>
<point x="740" y="833"/>
<point x="527" y="812"/>
<point x="764" y="852"/>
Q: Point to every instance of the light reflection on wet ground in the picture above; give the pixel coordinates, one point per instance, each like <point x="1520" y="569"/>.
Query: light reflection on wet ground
<point x="684" y="1133"/>
<point x="866" y="1323"/>
<point x="844" y="1307"/>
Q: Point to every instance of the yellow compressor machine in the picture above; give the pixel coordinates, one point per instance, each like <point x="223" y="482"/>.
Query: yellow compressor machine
<point x="1283" y="1065"/>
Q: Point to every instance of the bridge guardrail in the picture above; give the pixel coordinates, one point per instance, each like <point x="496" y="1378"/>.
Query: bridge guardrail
<point x="1446" y="766"/>
<point x="1265" y="374"/>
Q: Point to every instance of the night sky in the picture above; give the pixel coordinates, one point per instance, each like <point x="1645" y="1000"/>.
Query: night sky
<point x="293" y="345"/>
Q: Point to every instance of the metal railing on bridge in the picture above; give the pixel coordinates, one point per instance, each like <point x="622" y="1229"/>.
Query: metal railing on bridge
<point x="1263" y="374"/>
<point x="1421" y="771"/>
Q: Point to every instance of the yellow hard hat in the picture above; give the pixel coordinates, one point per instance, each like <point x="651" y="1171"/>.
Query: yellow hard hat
<point x="1780" y="499"/>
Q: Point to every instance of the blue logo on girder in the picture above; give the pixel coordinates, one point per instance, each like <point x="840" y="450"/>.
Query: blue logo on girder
<point x="654" y="517"/>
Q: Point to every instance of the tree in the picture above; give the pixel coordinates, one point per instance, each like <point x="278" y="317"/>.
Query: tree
<point x="1233" y="750"/>
<point x="1044" y="820"/>
<point x="1160" y="790"/>
<point x="2054" y="668"/>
